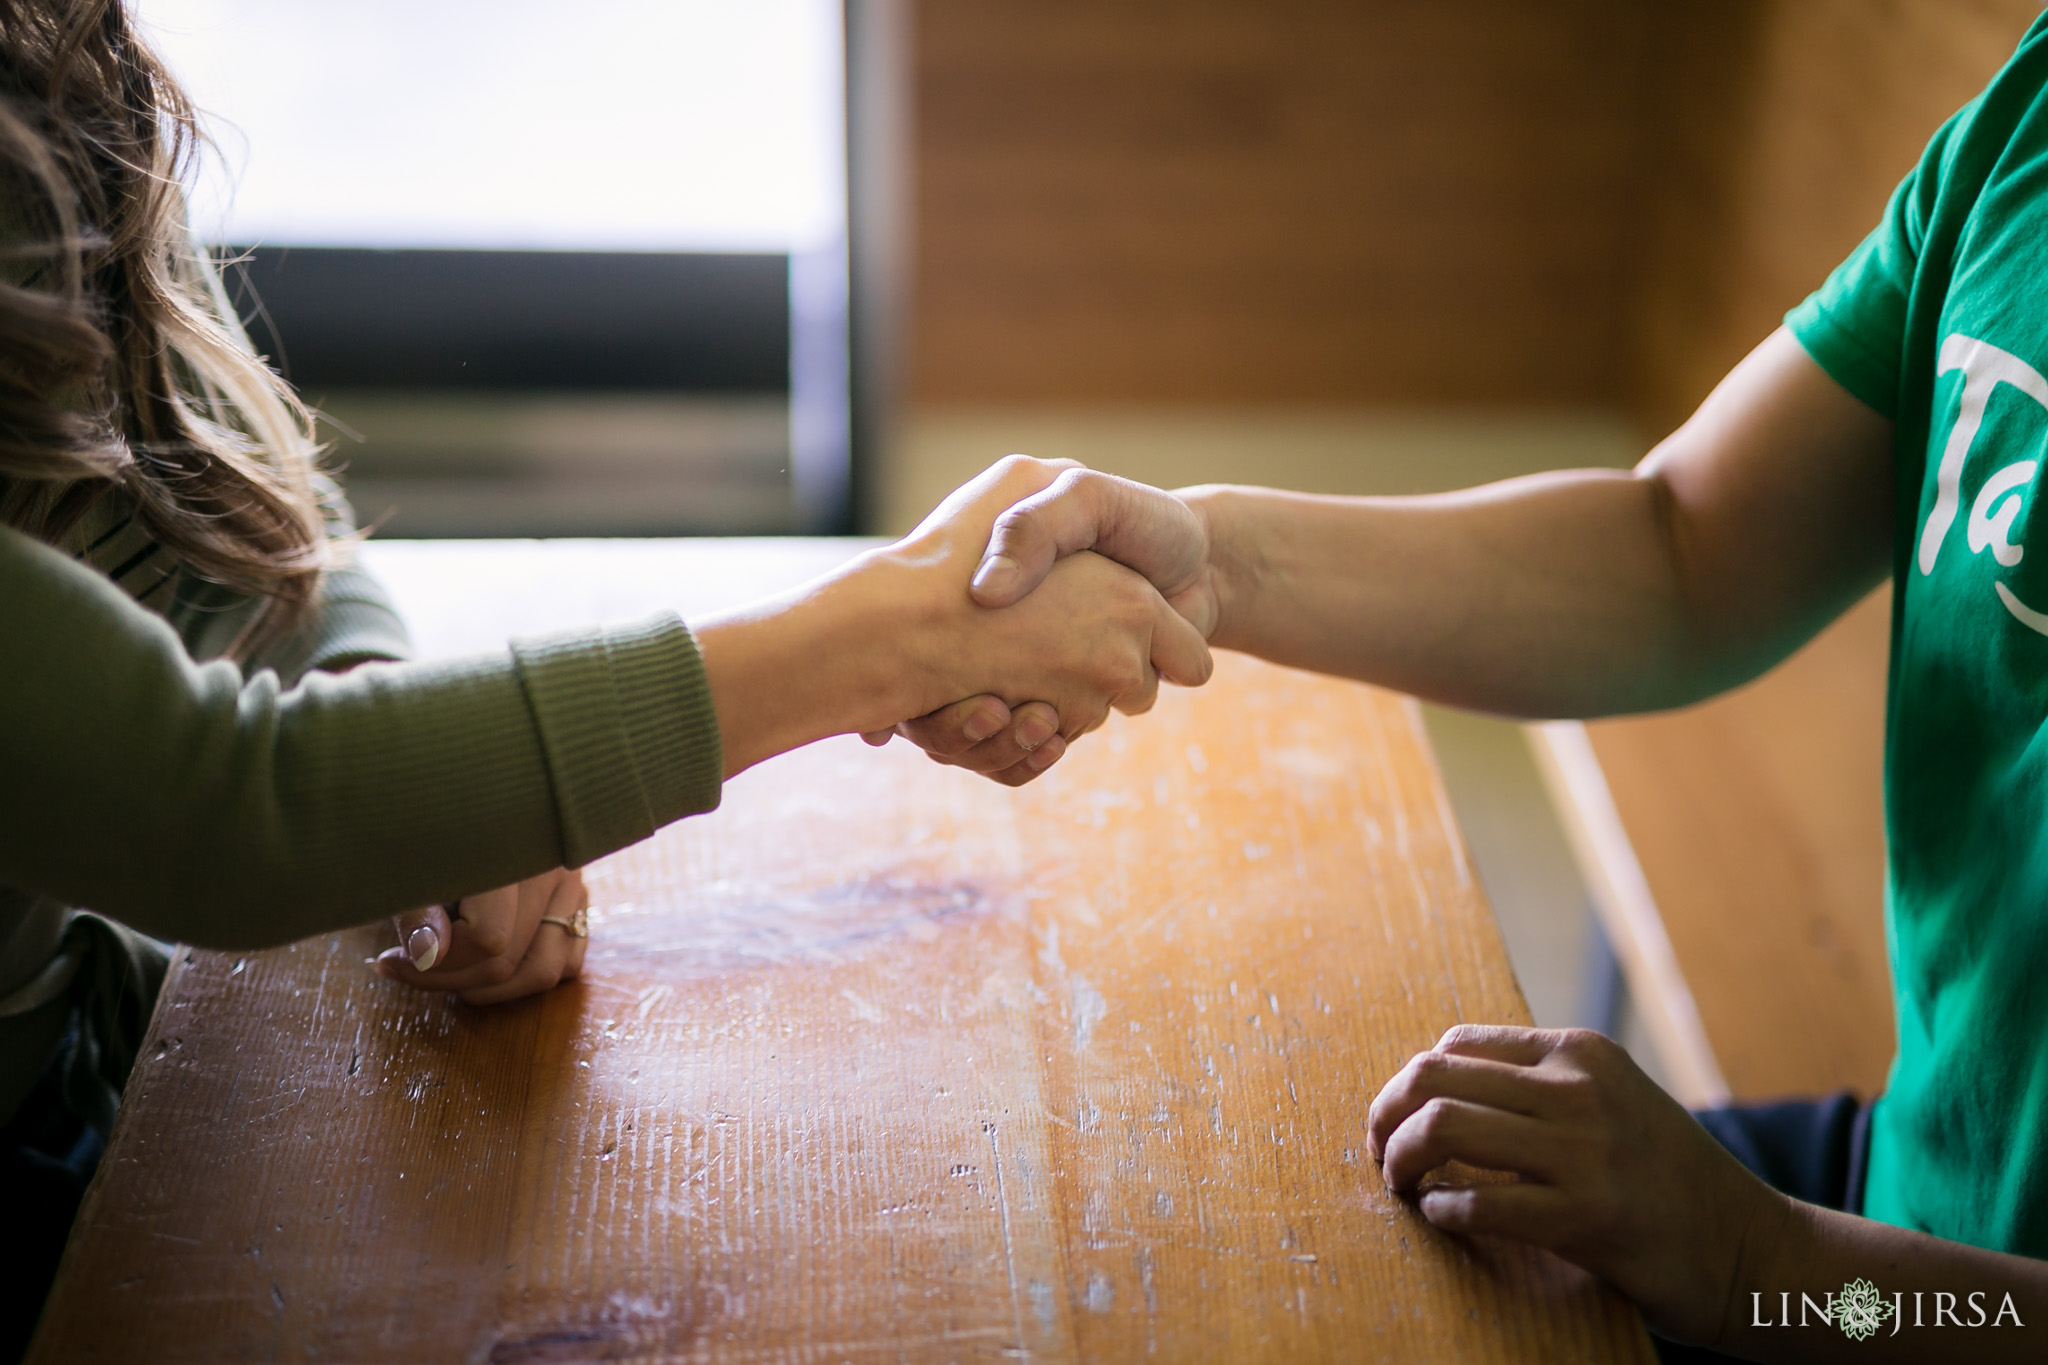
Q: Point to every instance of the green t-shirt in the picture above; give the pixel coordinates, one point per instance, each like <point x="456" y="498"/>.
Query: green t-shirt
<point x="1940" y="321"/>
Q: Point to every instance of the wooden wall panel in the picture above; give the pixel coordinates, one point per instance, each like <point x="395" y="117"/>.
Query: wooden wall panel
<point x="1395" y="202"/>
<point x="1304" y="200"/>
<point x="1777" y="132"/>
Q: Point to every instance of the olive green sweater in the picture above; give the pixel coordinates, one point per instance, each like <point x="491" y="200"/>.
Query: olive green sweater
<point x="248" y="806"/>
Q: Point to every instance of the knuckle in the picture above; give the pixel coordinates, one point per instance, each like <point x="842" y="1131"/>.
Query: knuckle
<point x="1077" y="484"/>
<point x="1461" y="1035"/>
<point x="1575" y="1041"/>
<point x="1588" y="1053"/>
<point x="1123" y="672"/>
<point x="497" y="971"/>
<point x="1434" y="1119"/>
<point x="1074" y="480"/>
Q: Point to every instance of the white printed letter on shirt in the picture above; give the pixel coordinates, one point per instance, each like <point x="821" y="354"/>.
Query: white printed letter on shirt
<point x="1984" y="368"/>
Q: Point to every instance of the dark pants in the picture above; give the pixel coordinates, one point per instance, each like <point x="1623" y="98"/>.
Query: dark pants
<point x="47" y="1157"/>
<point x="1813" y="1150"/>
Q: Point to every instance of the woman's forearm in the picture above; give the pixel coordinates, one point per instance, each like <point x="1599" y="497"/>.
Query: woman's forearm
<point x="794" y="669"/>
<point x="196" y="803"/>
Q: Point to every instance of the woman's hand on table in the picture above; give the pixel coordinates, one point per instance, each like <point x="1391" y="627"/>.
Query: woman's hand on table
<point x="1611" y="1173"/>
<point x="496" y="947"/>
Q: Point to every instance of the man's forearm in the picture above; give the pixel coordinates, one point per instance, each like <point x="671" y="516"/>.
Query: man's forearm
<point x="1927" y="1299"/>
<point x="1583" y="592"/>
<point x="1550" y="595"/>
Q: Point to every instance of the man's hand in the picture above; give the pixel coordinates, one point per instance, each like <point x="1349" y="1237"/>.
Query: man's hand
<point x="1141" y="527"/>
<point x="495" y="948"/>
<point x="894" y="634"/>
<point x="1138" y="526"/>
<point x="1611" y="1173"/>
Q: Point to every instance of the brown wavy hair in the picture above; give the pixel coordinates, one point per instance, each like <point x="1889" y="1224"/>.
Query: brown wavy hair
<point x="121" y="365"/>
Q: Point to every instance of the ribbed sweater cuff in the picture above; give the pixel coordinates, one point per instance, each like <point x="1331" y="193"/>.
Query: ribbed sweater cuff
<point x="357" y="623"/>
<point x="628" y="730"/>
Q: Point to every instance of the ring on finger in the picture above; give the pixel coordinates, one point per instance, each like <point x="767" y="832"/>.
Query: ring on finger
<point x="576" y="926"/>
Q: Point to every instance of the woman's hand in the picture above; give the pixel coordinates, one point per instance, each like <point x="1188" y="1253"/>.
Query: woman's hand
<point x="1103" y="633"/>
<point x="1611" y="1173"/>
<point x="983" y="735"/>
<point x="496" y="948"/>
<point x="896" y="635"/>
<point x="1160" y="535"/>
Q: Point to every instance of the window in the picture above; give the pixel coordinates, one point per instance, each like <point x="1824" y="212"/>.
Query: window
<point x="562" y="268"/>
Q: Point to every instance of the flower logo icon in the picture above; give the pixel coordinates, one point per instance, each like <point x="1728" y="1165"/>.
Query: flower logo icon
<point x="1860" y="1310"/>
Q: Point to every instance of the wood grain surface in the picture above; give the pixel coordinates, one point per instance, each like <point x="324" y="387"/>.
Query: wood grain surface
<point x="879" y="1062"/>
<point x="1300" y="201"/>
<point x="1581" y="202"/>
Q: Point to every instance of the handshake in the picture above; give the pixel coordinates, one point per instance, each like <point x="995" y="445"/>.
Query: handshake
<point x="1004" y="626"/>
<point x="1010" y="622"/>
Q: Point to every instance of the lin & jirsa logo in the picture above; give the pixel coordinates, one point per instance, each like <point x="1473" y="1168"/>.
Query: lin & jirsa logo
<point x="1861" y="1310"/>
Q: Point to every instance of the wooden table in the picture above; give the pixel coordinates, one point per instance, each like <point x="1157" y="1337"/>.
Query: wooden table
<point x="879" y="1062"/>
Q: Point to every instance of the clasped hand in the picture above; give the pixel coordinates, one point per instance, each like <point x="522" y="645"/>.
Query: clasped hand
<point x="1069" y="513"/>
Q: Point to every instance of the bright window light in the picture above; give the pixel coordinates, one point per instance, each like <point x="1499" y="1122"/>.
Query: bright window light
<point x="630" y="125"/>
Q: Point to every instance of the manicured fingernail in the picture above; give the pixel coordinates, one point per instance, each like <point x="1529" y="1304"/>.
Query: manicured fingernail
<point x="1033" y="732"/>
<point x="423" y="946"/>
<point x="995" y="572"/>
<point x="980" y="726"/>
